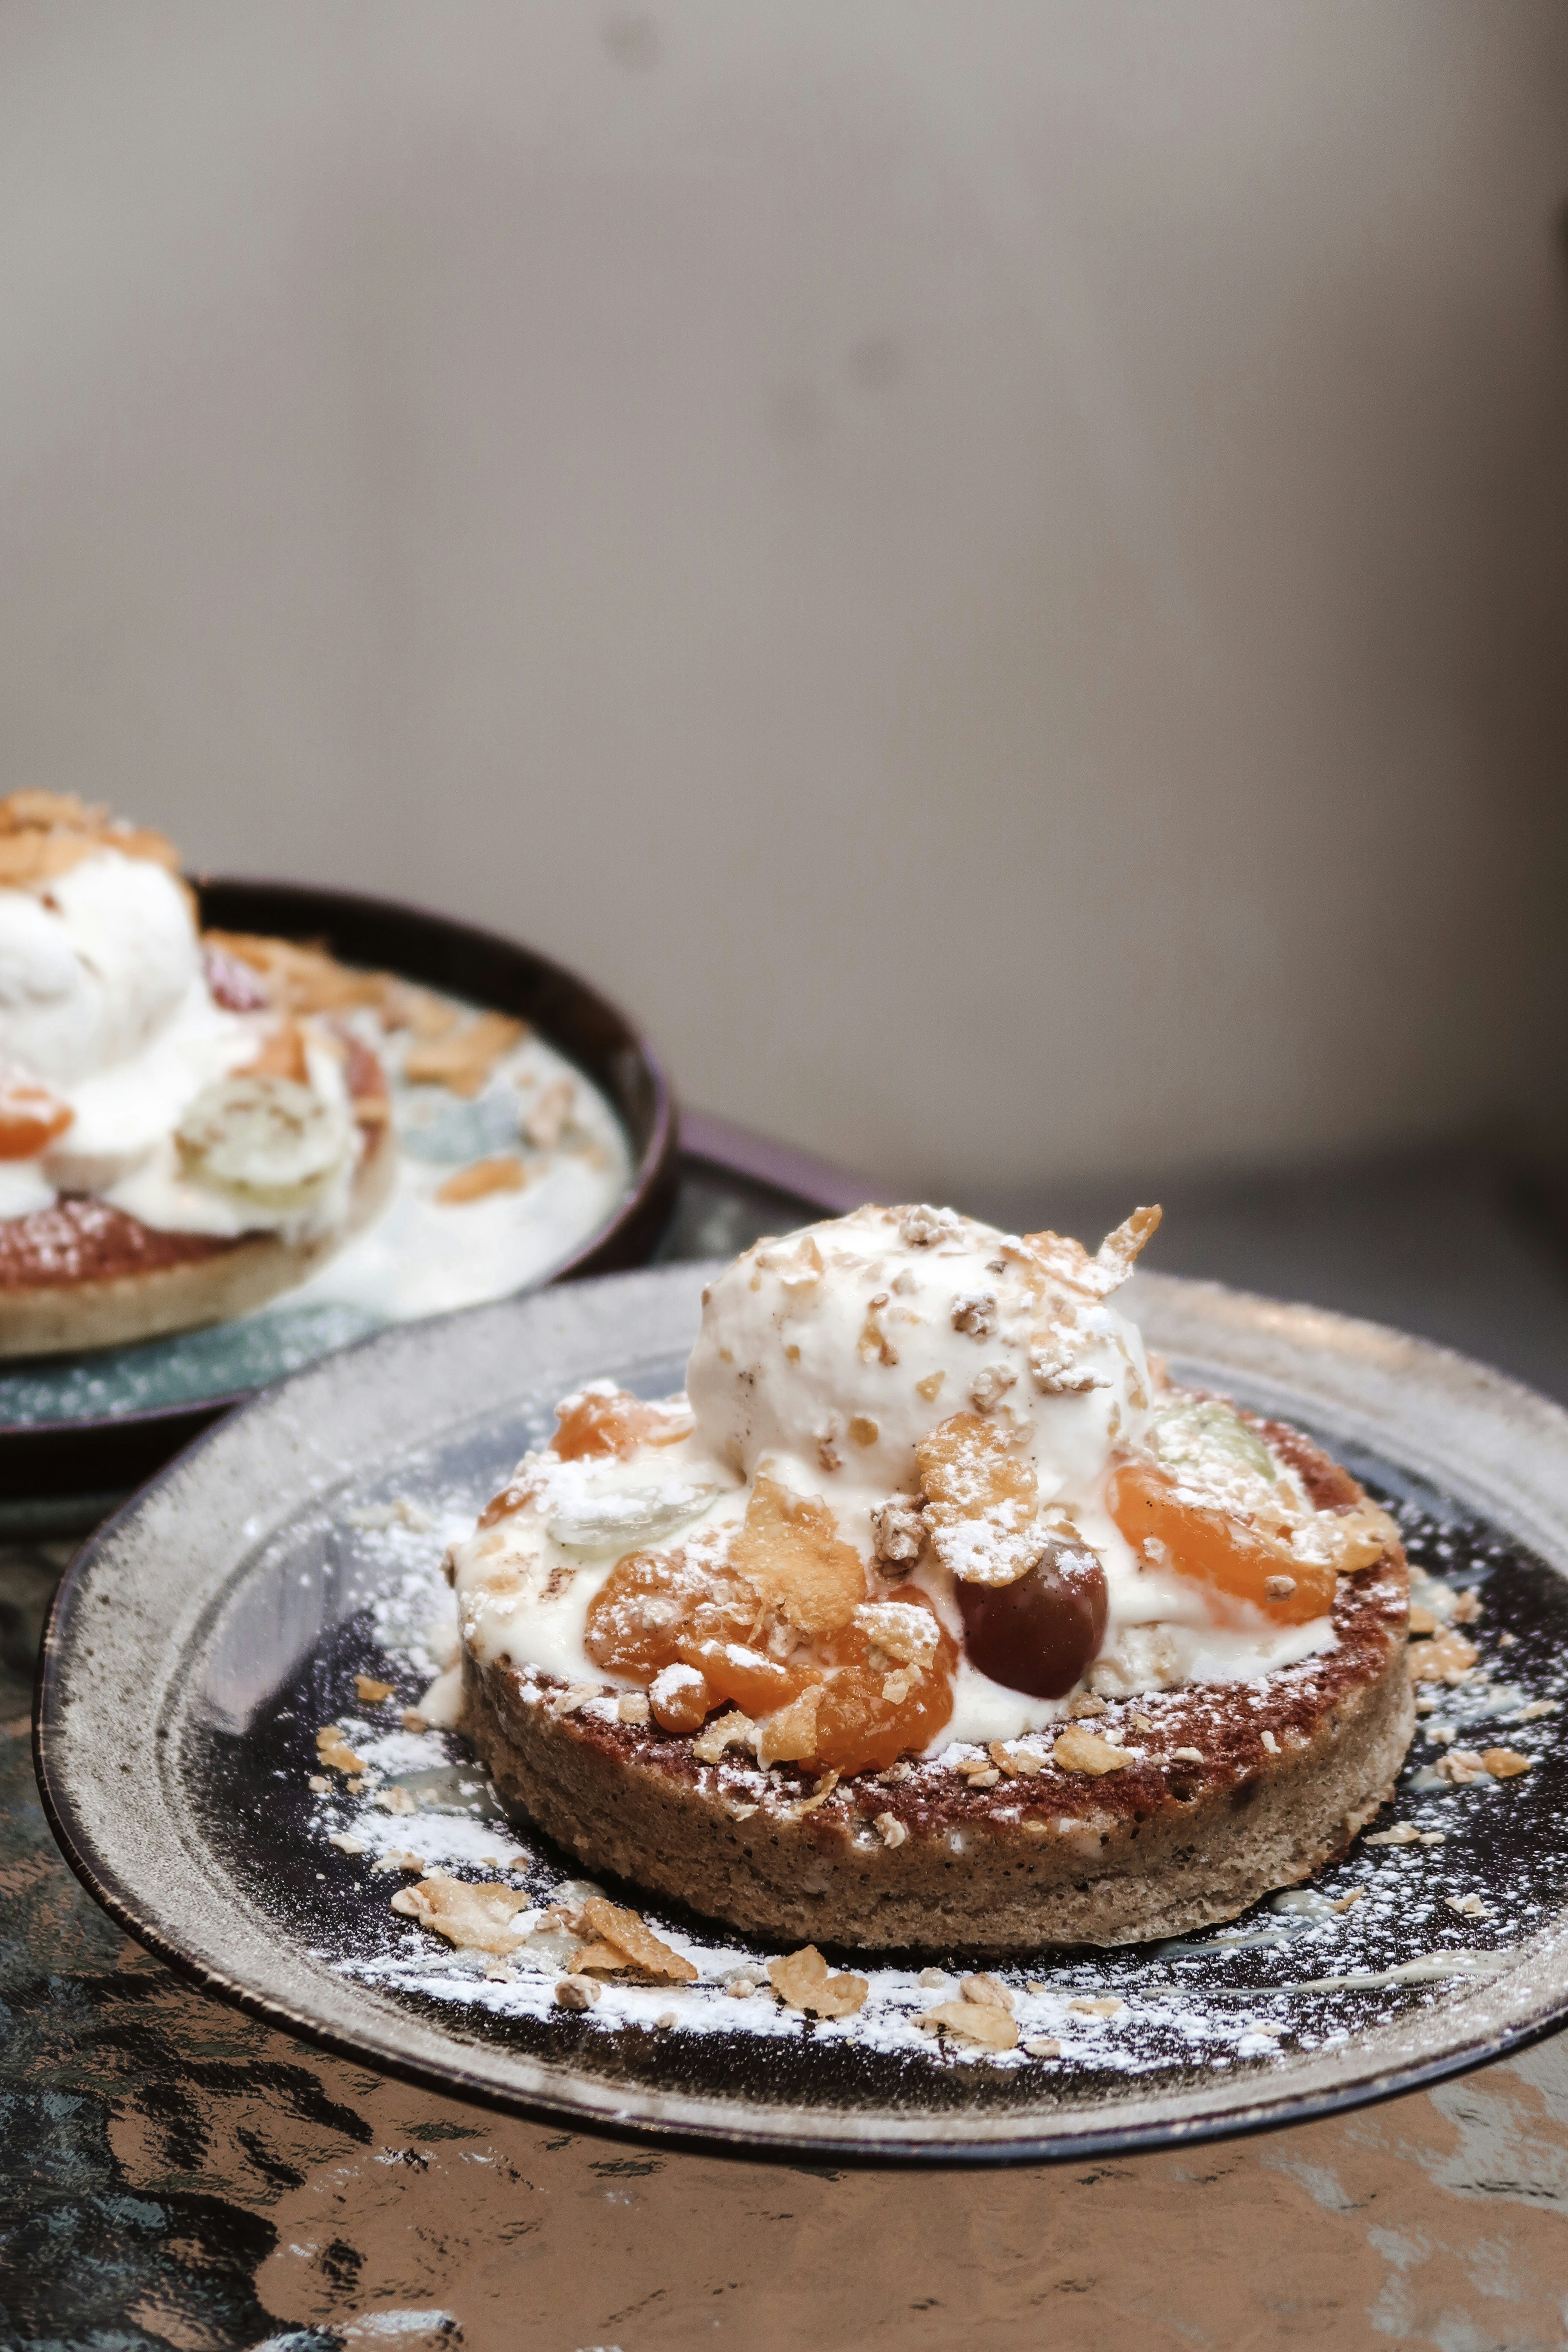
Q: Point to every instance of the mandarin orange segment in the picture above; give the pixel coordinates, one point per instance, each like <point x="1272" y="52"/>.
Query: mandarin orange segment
<point x="654" y="1604"/>
<point x="746" y="1677"/>
<point x="859" y="1728"/>
<point x="30" y="1118"/>
<point x="613" y="1422"/>
<point x="1214" y="1549"/>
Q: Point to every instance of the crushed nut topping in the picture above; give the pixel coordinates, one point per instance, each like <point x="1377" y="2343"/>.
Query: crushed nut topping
<point x="990" y="1386"/>
<point x="568" y="1701"/>
<point x="890" y="1829"/>
<point x="911" y="1635"/>
<point x="987" y="1992"/>
<point x="789" y="1736"/>
<point x="575" y="1992"/>
<point x="975" y="1313"/>
<point x="924" y="1228"/>
<point x="898" y="1534"/>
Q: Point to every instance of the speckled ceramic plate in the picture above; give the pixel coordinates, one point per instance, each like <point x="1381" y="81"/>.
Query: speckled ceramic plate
<point x="93" y="1423"/>
<point x="206" y="1634"/>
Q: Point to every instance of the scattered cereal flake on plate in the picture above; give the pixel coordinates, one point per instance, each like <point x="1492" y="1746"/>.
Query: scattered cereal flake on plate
<point x="369" y="1691"/>
<point x="972" y="2020"/>
<point x="473" y="1916"/>
<point x="630" y="1943"/>
<point x="986" y="1992"/>
<point x="1402" y="1833"/>
<point x="1468" y="1906"/>
<point x="801" y="1980"/>
<point x="1108" y="2007"/>
<point x="1448" y="1658"/>
<point x="335" y="1753"/>
<point x="1505" y="1763"/>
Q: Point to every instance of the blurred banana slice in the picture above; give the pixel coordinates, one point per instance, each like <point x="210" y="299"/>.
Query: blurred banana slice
<point x="266" y="1139"/>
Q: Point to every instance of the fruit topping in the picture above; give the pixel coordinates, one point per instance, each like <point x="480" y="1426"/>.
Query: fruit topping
<point x="854" y="1697"/>
<point x="1214" y="1504"/>
<point x="603" y="1419"/>
<point x="268" y="1142"/>
<point x="1039" y="1633"/>
<point x="31" y="1118"/>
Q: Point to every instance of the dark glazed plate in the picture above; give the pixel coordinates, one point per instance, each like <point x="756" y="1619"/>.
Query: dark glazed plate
<point x="205" y="1634"/>
<point x="100" y="1422"/>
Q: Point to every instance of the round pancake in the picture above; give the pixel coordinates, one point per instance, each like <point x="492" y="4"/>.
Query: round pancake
<point x="1233" y="1789"/>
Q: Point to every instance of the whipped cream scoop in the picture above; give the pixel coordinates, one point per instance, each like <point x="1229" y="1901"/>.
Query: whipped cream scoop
<point x="952" y="1398"/>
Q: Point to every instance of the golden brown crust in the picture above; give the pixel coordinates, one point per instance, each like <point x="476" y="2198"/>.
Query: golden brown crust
<point x="1292" y="1767"/>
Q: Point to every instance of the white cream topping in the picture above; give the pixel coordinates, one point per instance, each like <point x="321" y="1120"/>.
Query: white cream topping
<point x="91" y="969"/>
<point x="103" y="1000"/>
<point x="823" y="1360"/>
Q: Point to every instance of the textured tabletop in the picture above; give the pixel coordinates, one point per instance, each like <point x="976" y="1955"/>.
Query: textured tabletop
<point x="177" y="2175"/>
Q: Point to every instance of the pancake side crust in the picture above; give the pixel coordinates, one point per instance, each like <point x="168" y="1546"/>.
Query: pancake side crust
<point x="191" y="1278"/>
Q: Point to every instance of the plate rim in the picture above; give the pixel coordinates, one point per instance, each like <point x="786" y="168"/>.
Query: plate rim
<point x="834" y="2141"/>
<point x="621" y="1240"/>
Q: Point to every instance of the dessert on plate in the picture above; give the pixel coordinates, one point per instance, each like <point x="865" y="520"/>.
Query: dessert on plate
<point x="188" y="1125"/>
<point x="933" y="1614"/>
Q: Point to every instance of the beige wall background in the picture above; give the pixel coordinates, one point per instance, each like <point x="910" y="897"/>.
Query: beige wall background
<point x="997" y="571"/>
